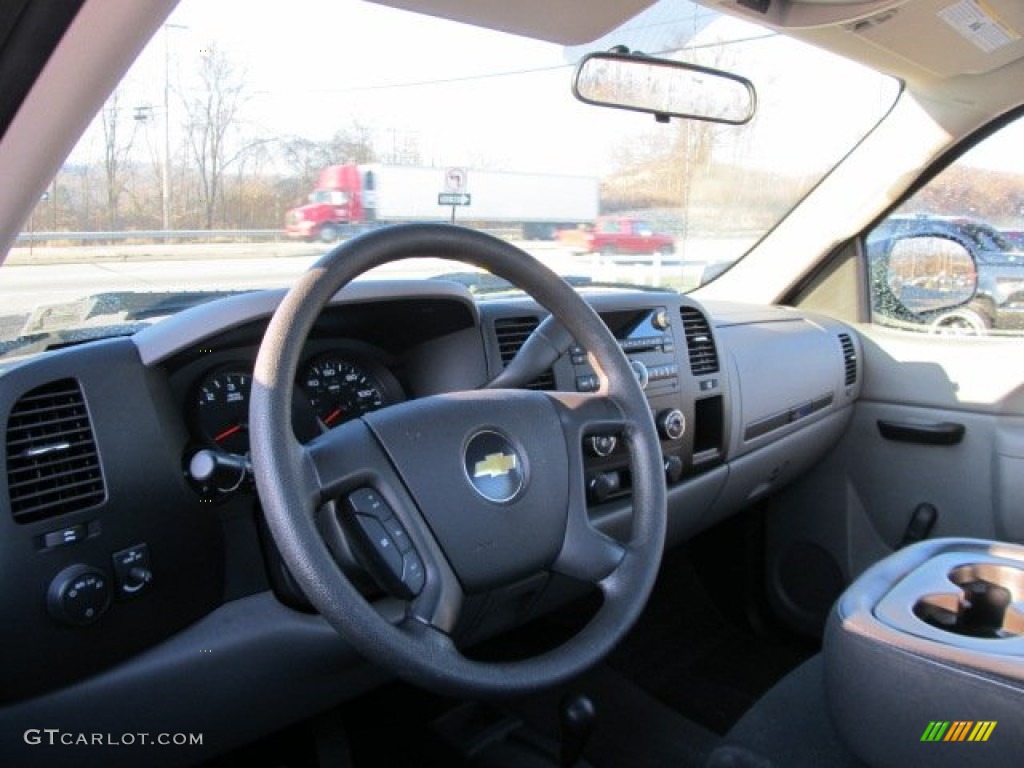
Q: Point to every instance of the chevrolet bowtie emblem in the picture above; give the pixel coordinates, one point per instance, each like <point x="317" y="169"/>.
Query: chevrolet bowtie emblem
<point x="495" y="465"/>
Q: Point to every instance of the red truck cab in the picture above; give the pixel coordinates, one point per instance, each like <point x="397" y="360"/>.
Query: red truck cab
<point x="618" y="234"/>
<point x="338" y="201"/>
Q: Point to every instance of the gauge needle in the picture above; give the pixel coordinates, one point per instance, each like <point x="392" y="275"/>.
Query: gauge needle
<point x="333" y="416"/>
<point x="227" y="433"/>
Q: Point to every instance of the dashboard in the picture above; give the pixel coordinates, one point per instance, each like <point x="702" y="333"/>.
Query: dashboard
<point x="131" y="527"/>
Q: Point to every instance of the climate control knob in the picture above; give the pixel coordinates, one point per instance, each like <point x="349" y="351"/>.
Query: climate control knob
<point x="79" y="595"/>
<point x="671" y="424"/>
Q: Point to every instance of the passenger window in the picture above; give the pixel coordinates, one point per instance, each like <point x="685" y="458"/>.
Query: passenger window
<point x="951" y="259"/>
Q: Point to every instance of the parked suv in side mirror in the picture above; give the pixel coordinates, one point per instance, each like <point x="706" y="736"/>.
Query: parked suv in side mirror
<point x="953" y="274"/>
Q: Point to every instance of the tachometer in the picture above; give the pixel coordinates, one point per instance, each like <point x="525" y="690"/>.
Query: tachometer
<point x="340" y="390"/>
<point x="222" y="409"/>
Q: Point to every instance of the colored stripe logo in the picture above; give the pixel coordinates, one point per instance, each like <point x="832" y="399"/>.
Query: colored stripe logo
<point x="958" y="730"/>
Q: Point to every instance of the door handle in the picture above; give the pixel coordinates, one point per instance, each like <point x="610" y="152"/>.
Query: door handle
<point x="939" y="433"/>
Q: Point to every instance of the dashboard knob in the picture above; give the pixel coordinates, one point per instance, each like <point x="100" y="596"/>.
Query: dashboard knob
<point x="224" y="471"/>
<point x="602" y="485"/>
<point x="602" y="445"/>
<point x="643" y="376"/>
<point x="671" y="424"/>
<point x="673" y="469"/>
<point x="660" y="320"/>
<point x="79" y="595"/>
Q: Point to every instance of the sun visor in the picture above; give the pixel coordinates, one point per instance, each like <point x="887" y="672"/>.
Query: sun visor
<point x="567" y="22"/>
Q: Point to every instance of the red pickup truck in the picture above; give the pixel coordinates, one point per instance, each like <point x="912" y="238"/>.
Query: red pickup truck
<point x="617" y="234"/>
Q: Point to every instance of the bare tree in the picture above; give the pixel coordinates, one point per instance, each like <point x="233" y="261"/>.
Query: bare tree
<point x="214" y="112"/>
<point x="307" y="157"/>
<point x="116" y="150"/>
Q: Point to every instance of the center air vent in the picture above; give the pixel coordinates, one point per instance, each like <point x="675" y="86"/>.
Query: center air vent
<point x="512" y="333"/>
<point x="699" y="342"/>
<point x="849" y="358"/>
<point x="52" y="464"/>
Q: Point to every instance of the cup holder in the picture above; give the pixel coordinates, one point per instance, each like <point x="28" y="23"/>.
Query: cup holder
<point x="989" y="604"/>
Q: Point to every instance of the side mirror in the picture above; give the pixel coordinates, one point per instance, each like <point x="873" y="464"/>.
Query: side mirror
<point x="663" y="87"/>
<point x="929" y="274"/>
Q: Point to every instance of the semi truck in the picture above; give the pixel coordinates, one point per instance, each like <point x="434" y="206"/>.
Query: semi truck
<point x="350" y="198"/>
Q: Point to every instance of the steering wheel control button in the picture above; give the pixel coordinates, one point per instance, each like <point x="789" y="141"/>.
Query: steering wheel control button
<point x="79" y="595"/>
<point x="367" y="501"/>
<point x="413" y="574"/>
<point x="397" y="534"/>
<point x="384" y="544"/>
<point x="494" y="467"/>
<point x="132" y="573"/>
<point x="385" y="550"/>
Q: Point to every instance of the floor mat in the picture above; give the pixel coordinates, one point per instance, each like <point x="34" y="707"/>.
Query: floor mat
<point x="687" y="653"/>
<point x="631" y="727"/>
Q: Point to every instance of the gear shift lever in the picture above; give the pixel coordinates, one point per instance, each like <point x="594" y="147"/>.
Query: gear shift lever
<point x="576" y="717"/>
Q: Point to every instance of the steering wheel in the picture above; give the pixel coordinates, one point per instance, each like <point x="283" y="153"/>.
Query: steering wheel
<point x="460" y="493"/>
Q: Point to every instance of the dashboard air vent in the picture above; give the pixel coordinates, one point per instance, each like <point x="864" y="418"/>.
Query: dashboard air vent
<point x="699" y="342"/>
<point x="849" y="358"/>
<point x="52" y="464"/>
<point x="512" y="333"/>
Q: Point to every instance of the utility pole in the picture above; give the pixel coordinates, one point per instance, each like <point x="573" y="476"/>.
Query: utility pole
<point x="166" y="168"/>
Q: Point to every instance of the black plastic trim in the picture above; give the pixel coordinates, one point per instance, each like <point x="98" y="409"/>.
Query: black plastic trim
<point x="941" y="433"/>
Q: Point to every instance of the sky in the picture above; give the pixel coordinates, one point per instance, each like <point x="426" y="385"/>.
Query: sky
<point x="473" y="97"/>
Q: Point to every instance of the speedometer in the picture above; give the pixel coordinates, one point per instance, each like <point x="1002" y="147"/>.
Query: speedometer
<point x="340" y="390"/>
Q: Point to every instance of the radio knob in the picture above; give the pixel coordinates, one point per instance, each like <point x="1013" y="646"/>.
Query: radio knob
<point x="643" y="376"/>
<point x="660" y="320"/>
<point x="671" y="424"/>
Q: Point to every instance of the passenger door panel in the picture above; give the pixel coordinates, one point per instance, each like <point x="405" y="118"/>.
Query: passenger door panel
<point x="856" y="505"/>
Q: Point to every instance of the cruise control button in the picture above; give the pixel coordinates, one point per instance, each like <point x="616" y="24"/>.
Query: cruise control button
<point x="413" y="575"/>
<point x="385" y="549"/>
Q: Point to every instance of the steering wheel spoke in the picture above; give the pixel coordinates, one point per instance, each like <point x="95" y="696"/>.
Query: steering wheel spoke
<point x="587" y="553"/>
<point x="381" y="524"/>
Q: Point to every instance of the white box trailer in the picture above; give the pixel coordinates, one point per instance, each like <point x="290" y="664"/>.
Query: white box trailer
<point x="539" y="203"/>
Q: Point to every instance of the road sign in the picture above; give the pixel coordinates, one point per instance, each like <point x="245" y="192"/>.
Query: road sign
<point x="452" y="198"/>
<point x="456" y="180"/>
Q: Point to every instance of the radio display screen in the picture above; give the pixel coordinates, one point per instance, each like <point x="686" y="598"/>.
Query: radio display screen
<point x="633" y="324"/>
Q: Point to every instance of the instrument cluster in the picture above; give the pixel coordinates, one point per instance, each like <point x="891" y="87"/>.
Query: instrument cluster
<point x="332" y="387"/>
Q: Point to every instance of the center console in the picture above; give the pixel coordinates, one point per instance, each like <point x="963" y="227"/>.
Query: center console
<point x="686" y="402"/>
<point x="927" y="646"/>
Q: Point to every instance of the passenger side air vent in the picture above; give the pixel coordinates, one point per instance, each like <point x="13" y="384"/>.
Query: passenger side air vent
<point x="849" y="358"/>
<point x="512" y="333"/>
<point x="52" y="464"/>
<point x="699" y="342"/>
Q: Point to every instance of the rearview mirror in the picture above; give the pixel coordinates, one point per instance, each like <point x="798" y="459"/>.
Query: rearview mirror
<point x="664" y="88"/>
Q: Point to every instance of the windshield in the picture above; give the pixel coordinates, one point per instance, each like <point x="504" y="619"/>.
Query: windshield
<point x="246" y="141"/>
